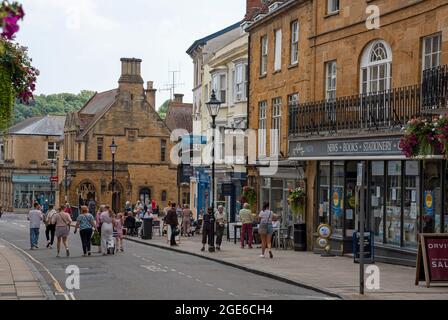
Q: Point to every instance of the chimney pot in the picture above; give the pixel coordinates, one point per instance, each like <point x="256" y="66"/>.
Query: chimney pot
<point x="179" y="98"/>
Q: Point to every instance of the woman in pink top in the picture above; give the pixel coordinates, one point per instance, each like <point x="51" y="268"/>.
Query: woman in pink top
<point x="63" y="221"/>
<point x="119" y="221"/>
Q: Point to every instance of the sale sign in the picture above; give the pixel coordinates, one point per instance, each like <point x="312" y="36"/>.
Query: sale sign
<point x="437" y="251"/>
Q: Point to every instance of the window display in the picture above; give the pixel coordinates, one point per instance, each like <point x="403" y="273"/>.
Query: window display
<point x="351" y="220"/>
<point x="393" y="203"/>
<point x="411" y="207"/>
<point x="431" y="197"/>
<point x="337" y="198"/>
<point x="324" y="193"/>
<point x="377" y="199"/>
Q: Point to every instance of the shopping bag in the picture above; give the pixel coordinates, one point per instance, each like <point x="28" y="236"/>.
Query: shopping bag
<point x="96" y="239"/>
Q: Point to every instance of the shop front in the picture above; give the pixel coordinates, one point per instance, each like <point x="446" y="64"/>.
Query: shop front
<point x="29" y="188"/>
<point x="404" y="197"/>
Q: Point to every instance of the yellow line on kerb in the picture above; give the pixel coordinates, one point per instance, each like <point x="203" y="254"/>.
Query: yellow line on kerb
<point x="56" y="284"/>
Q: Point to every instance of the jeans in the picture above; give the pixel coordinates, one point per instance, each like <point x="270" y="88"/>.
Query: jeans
<point x="219" y="234"/>
<point x="34" y="236"/>
<point x="172" y="234"/>
<point x="49" y="233"/>
<point x="205" y="235"/>
<point x="86" y="235"/>
<point x="247" y="228"/>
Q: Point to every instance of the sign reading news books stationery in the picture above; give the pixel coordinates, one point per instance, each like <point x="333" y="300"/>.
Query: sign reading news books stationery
<point x="432" y="259"/>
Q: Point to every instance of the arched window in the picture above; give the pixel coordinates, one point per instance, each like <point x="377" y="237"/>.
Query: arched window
<point x="164" y="196"/>
<point x="376" y="67"/>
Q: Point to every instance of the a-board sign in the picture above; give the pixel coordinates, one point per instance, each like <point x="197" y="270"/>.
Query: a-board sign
<point x="432" y="259"/>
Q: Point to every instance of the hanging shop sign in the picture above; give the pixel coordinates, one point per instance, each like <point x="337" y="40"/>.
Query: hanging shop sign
<point x="432" y="259"/>
<point x="337" y="206"/>
<point x="377" y="146"/>
<point x="429" y="203"/>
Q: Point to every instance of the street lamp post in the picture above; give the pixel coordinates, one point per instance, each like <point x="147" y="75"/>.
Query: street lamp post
<point x="213" y="109"/>
<point x="113" y="149"/>
<point x="66" y="164"/>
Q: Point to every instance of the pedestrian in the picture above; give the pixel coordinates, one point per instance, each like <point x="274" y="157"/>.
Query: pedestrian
<point x="50" y="227"/>
<point x="207" y="228"/>
<point x="266" y="230"/>
<point x="46" y="207"/>
<point x="128" y="207"/>
<point x="68" y="209"/>
<point x="179" y="211"/>
<point x="119" y="223"/>
<point x="1" y="212"/>
<point x="186" y="216"/>
<point x="153" y="205"/>
<point x="63" y="221"/>
<point x="98" y="223"/>
<point x="163" y="215"/>
<point x="92" y="206"/>
<point x="35" y="217"/>
<point x="86" y="224"/>
<point x="247" y="229"/>
<point x="221" y="220"/>
<point x="173" y="222"/>
<point x="107" y="228"/>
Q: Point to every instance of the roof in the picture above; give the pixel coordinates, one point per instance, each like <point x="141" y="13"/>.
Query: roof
<point x="40" y="126"/>
<point x="179" y="116"/>
<point x="99" y="101"/>
<point x="204" y="40"/>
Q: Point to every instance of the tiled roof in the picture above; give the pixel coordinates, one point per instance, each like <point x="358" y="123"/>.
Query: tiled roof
<point x="99" y="101"/>
<point x="179" y="116"/>
<point x="41" y="126"/>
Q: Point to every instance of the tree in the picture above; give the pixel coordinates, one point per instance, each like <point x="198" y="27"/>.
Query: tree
<point x="163" y="109"/>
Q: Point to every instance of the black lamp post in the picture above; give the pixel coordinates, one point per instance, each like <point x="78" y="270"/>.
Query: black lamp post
<point x="213" y="109"/>
<point x="113" y="149"/>
<point x="52" y="164"/>
<point x="66" y="165"/>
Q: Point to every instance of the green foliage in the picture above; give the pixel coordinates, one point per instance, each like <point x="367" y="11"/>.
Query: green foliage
<point x="53" y="104"/>
<point x="163" y="109"/>
<point x="6" y="98"/>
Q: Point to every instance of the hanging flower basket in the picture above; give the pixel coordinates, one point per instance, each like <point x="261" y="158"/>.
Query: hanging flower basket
<point x="297" y="201"/>
<point x="249" y="196"/>
<point x="425" y="137"/>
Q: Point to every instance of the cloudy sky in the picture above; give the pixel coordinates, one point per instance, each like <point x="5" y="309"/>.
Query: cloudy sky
<point x="77" y="44"/>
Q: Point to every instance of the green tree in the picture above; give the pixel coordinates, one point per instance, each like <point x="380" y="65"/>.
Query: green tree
<point x="163" y="109"/>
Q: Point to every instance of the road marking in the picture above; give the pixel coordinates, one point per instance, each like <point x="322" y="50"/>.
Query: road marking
<point x="22" y="226"/>
<point x="56" y="284"/>
<point x="209" y="285"/>
<point x="153" y="268"/>
<point x="173" y="270"/>
<point x="198" y="280"/>
<point x="181" y="273"/>
<point x="232" y="294"/>
<point x="219" y="289"/>
<point x="188" y="276"/>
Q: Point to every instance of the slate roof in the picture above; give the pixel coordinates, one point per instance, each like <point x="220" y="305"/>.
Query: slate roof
<point x="204" y="40"/>
<point x="179" y="116"/>
<point x="40" y="126"/>
<point x="99" y="101"/>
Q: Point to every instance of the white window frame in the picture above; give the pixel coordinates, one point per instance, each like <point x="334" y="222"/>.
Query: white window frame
<point x="333" y="6"/>
<point x="331" y="80"/>
<point x="220" y="86"/>
<point x="295" y="42"/>
<point x="220" y="145"/>
<point x="264" y="51"/>
<point x="262" y="128"/>
<point x="370" y="76"/>
<point x="431" y="58"/>
<point x="278" y="50"/>
<point x="276" y="126"/>
<point x="240" y="87"/>
<point x="53" y="150"/>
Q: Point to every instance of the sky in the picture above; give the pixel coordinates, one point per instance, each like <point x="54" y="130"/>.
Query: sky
<point x="77" y="44"/>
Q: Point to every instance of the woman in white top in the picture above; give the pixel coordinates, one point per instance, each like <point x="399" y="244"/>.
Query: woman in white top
<point x="107" y="228"/>
<point x="266" y="230"/>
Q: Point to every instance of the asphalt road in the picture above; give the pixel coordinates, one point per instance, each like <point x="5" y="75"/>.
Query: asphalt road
<point x="143" y="273"/>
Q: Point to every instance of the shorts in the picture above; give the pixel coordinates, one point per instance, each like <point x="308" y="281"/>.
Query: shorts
<point x="268" y="232"/>
<point x="62" y="232"/>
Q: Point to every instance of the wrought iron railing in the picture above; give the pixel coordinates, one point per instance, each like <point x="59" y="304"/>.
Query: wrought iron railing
<point x="386" y="109"/>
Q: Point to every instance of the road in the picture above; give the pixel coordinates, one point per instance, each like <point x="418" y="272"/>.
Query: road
<point x="143" y="272"/>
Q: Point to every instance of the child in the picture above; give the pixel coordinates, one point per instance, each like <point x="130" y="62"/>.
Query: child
<point x="119" y="222"/>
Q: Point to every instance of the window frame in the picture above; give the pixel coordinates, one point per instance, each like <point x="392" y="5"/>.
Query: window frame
<point x="432" y="53"/>
<point x="294" y="52"/>
<point x="53" y="150"/>
<point x="240" y="87"/>
<point x="369" y="68"/>
<point x="264" y="52"/>
<point x="276" y="124"/>
<point x="262" y="128"/>
<point x="163" y="145"/>
<point x="217" y="85"/>
<point x="100" y="149"/>
<point x="278" y="39"/>
<point x="334" y="5"/>
<point x="330" y="75"/>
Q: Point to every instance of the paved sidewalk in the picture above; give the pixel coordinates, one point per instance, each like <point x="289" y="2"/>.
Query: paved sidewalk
<point x="17" y="280"/>
<point x="338" y="275"/>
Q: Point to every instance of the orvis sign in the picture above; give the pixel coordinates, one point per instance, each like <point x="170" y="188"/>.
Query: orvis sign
<point x="346" y="147"/>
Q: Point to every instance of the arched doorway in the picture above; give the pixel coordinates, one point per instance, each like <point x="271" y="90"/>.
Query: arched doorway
<point x="86" y="192"/>
<point x="145" y="196"/>
<point x="117" y="191"/>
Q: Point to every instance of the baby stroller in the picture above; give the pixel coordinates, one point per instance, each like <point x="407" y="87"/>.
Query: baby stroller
<point x="193" y="228"/>
<point x="111" y="244"/>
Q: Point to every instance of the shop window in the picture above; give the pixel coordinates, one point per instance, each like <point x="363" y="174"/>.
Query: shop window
<point x="277" y="197"/>
<point x="324" y="192"/>
<point x="377" y="199"/>
<point x="351" y="219"/>
<point x="337" y="202"/>
<point x="431" y="197"/>
<point x="393" y="203"/>
<point x="411" y="207"/>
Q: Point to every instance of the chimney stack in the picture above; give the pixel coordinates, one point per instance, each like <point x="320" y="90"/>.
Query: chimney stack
<point x="151" y="94"/>
<point x="252" y="6"/>
<point x="178" y="98"/>
<point x="130" y="71"/>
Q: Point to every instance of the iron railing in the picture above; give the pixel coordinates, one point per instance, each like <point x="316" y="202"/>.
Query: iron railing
<point x="386" y="109"/>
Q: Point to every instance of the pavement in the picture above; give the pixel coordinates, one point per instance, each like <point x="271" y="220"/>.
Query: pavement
<point x="18" y="280"/>
<point x="139" y="273"/>
<point x="334" y="276"/>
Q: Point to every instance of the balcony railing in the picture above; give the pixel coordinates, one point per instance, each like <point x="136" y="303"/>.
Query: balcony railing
<point x="386" y="109"/>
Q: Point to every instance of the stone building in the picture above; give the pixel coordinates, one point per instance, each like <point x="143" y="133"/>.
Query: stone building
<point x="360" y="77"/>
<point x="29" y="156"/>
<point x="126" y="116"/>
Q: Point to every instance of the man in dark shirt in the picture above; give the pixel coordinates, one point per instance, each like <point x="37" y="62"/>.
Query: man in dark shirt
<point x="207" y="228"/>
<point x="171" y="220"/>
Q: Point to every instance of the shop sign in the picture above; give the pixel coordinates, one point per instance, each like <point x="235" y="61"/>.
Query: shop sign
<point x="350" y="147"/>
<point x="30" y="179"/>
<point x="227" y="189"/>
<point x="432" y="259"/>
